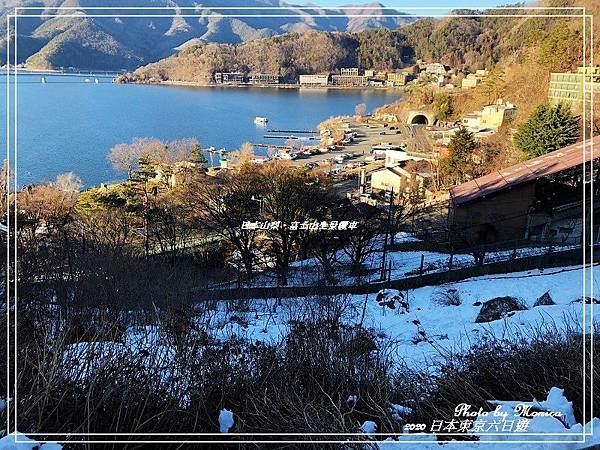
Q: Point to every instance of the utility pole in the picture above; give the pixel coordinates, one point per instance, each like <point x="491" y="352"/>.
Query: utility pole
<point x="387" y="231"/>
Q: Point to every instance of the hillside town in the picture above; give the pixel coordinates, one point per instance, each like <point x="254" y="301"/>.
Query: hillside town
<point x="436" y="74"/>
<point x="374" y="158"/>
<point x="393" y="242"/>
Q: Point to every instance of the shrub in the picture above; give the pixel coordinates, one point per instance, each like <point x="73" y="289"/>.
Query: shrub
<point x="548" y="128"/>
<point x="509" y="370"/>
<point x="447" y="297"/>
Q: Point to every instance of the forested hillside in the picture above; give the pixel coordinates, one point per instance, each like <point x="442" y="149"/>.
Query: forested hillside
<point x="54" y="38"/>
<point x="538" y="44"/>
<point x="289" y="55"/>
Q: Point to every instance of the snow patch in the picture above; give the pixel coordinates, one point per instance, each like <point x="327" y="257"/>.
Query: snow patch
<point x="368" y="427"/>
<point x="226" y="421"/>
<point x="24" y="443"/>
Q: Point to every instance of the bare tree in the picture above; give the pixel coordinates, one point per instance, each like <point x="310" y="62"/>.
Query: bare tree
<point x="290" y="196"/>
<point x="244" y="155"/>
<point x="223" y="204"/>
<point x="361" y="242"/>
<point x="169" y="225"/>
<point x="68" y="182"/>
<point x="43" y="240"/>
<point x="360" y="109"/>
<point x="126" y="157"/>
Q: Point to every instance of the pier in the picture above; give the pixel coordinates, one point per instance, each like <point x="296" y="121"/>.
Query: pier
<point x="309" y="138"/>
<point x="294" y="131"/>
<point x="282" y="147"/>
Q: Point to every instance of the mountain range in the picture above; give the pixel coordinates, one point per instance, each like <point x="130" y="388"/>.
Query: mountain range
<point x="74" y="38"/>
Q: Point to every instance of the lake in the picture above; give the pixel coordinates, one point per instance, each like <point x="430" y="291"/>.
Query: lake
<point x="68" y="124"/>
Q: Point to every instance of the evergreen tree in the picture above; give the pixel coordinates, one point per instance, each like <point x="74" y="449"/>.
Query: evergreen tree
<point x="548" y="128"/>
<point x="197" y="157"/>
<point x="456" y="167"/>
<point x="493" y="85"/>
<point x="442" y="105"/>
<point x="146" y="168"/>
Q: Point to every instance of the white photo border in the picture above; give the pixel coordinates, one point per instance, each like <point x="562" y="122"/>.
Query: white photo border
<point x="11" y="401"/>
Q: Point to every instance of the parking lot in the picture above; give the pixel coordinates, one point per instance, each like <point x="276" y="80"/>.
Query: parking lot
<point x="368" y="135"/>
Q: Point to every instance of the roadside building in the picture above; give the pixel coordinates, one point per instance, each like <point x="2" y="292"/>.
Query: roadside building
<point x="229" y="77"/>
<point x="471" y="121"/>
<point x="3" y="233"/>
<point x="387" y="117"/>
<point x="436" y="69"/>
<point x="538" y="200"/>
<point x="265" y="78"/>
<point x="176" y="174"/>
<point x="315" y="80"/>
<point x="402" y="181"/>
<point x="470" y="81"/>
<point x="568" y="87"/>
<point x="370" y="73"/>
<point x="397" y="78"/>
<point x="395" y="157"/>
<point x="349" y="71"/>
<point x="498" y="114"/>
<point x="491" y="116"/>
<point x="349" y="80"/>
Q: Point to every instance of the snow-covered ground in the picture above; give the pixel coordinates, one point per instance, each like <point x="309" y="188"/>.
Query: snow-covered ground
<point x="399" y="264"/>
<point x="18" y="441"/>
<point x="553" y="427"/>
<point x="504" y="427"/>
<point x="419" y="332"/>
<point x="429" y="330"/>
<point x="419" y="336"/>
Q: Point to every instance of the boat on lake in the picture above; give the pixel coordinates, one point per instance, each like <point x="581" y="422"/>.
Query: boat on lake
<point x="260" y="120"/>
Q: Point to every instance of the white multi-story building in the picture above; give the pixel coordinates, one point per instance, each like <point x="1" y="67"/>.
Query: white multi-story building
<point x="314" y="80"/>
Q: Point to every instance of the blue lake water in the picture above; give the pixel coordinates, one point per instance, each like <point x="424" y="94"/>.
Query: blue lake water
<point x="68" y="124"/>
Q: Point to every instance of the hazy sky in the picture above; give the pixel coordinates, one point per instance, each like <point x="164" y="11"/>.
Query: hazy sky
<point x="401" y="5"/>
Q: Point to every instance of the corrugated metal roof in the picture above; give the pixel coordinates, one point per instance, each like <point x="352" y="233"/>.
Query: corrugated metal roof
<point x="553" y="162"/>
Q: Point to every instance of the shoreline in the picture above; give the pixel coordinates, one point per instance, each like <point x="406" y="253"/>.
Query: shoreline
<point x="318" y="158"/>
<point x="262" y="86"/>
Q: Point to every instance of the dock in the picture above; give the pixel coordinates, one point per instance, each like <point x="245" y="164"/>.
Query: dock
<point x="304" y="138"/>
<point x="283" y="147"/>
<point x="294" y="131"/>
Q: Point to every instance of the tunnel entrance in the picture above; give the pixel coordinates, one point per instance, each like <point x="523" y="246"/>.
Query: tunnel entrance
<point x="419" y="119"/>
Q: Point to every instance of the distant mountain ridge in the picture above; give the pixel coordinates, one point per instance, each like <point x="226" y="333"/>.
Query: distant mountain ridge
<point x="128" y="42"/>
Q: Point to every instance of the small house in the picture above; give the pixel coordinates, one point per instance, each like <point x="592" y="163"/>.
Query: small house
<point x="539" y="200"/>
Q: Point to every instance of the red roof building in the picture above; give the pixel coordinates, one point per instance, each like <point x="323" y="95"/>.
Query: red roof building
<point x="536" y="199"/>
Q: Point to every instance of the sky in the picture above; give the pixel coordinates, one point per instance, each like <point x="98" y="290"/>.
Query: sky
<point x="402" y="5"/>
